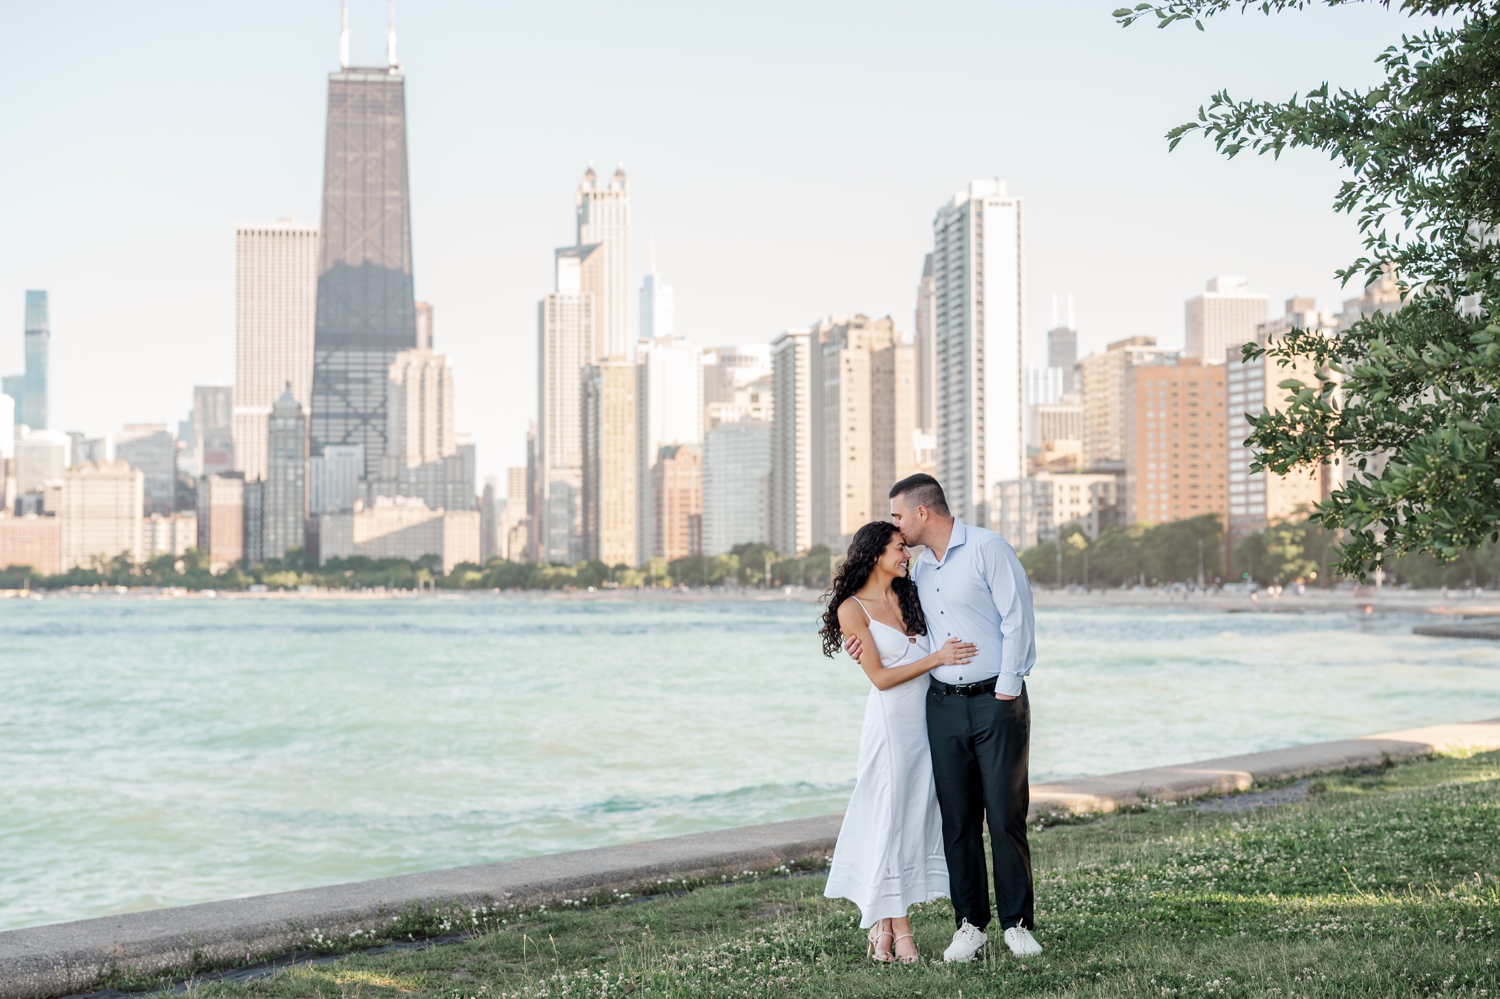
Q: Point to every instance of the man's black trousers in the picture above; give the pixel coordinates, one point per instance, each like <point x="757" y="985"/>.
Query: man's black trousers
<point x="980" y="751"/>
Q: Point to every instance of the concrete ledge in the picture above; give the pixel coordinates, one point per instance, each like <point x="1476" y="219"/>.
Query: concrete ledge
<point x="72" y="957"/>
<point x="1237" y="773"/>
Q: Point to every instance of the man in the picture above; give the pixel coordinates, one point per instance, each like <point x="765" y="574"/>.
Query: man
<point x="972" y="587"/>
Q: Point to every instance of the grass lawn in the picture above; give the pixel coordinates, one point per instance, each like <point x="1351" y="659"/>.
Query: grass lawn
<point x="1381" y="884"/>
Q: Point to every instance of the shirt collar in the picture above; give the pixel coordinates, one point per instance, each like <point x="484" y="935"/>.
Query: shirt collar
<point x="960" y="532"/>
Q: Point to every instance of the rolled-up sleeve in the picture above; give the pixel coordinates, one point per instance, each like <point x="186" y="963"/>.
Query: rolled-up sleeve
<point x="1011" y="591"/>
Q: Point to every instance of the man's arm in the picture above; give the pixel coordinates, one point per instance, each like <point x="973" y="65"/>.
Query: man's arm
<point x="1011" y="591"/>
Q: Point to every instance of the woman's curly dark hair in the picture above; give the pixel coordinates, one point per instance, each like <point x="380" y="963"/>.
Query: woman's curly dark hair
<point x="870" y="542"/>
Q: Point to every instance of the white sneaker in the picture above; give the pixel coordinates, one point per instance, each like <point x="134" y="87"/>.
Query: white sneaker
<point x="966" y="943"/>
<point x="1021" y="942"/>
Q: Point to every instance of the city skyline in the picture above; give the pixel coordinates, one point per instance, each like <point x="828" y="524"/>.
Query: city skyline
<point x="721" y="299"/>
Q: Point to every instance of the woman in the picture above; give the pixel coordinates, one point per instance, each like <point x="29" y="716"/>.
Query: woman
<point x="890" y="849"/>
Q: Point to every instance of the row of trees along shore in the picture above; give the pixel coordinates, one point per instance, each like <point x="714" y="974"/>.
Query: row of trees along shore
<point x="746" y="565"/>
<point x="1161" y="555"/>
<point x="1299" y="551"/>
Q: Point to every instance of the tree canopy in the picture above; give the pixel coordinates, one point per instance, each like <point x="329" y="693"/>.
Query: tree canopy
<point x="1402" y="401"/>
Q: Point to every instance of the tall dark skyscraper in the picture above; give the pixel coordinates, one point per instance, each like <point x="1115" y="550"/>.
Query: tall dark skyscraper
<point x="366" y="311"/>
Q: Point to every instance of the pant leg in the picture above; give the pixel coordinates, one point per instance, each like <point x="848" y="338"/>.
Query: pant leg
<point x="960" y="795"/>
<point x="1002" y="747"/>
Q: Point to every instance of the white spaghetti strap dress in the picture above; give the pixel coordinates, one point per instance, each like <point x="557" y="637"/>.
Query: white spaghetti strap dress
<point x="889" y="855"/>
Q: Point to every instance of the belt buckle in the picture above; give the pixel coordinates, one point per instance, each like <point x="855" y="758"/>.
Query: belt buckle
<point x="967" y="689"/>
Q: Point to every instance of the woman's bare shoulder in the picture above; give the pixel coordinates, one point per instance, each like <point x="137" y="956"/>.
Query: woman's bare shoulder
<point x="851" y="614"/>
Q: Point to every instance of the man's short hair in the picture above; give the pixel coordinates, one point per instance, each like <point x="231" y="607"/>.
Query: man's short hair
<point x="922" y="490"/>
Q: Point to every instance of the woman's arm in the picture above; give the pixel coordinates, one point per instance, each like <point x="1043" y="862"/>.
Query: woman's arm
<point x="853" y="622"/>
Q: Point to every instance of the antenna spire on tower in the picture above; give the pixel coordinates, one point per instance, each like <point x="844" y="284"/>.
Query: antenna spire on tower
<point x="344" y="40"/>
<point x="390" y="36"/>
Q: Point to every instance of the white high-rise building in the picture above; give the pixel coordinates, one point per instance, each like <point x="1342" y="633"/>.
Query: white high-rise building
<point x="565" y="345"/>
<point x="658" y="311"/>
<point x="604" y="223"/>
<point x="791" y="443"/>
<point x="275" y="305"/>
<point x="1225" y="316"/>
<point x="100" y="511"/>
<point x="976" y="286"/>
<point x="669" y="411"/>
<point x="419" y="408"/>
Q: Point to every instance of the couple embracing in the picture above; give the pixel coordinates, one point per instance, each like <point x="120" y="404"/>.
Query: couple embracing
<point x="946" y="640"/>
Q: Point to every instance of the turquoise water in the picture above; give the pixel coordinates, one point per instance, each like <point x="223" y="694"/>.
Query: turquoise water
<point x="162" y="752"/>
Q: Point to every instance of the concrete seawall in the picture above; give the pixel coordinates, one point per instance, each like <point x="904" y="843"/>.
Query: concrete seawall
<point x="65" y="958"/>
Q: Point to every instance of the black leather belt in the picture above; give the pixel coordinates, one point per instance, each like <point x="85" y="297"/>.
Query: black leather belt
<point x="966" y="689"/>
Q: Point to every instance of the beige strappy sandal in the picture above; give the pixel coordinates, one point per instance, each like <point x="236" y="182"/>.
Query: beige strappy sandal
<point x="873" y="953"/>
<point x="906" y="958"/>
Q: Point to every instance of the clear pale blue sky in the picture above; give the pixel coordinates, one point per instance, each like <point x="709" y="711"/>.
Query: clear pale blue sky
<point x="787" y="157"/>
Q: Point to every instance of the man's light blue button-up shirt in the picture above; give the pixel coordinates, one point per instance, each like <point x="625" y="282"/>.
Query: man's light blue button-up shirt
<point x="979" y="593"/>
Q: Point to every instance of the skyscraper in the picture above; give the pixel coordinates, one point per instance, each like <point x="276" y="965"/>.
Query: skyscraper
<point x="926" y="357"/>
<point x="609" y="465"/>
<point x="604" y="223"/>
<point x="333" y="478"/>
<point x="736" y="384"/>
<point x="40" y="457"/>
<point x="490" y="506"/>
<point x="213" y="428"/>
<point x="38" y="347"/>
<point x="565" y="342"/>
<point x="976" y="271"/>
<point x="658" y="309"/>
<point x="221" y="519"/>
<point x="1104" y="381"/>
<point x="1175" y="461"/>
<point x="1223" y="317"/>
<point x="736" y="484"/>
<point x="1062" y="346"/>
<point x="420" y="408"/>
<point x="100" y="511"/>
<point x="13" y="387"/>
<point x="862" y="407"/>
<point x="1257" y="500"/>
<point x="29" y="389"/>
<point x="677" y="490"/>
<point x="284" y="525"/>
<point x="669" y="410"/>
<point x="366" y="311"/>
<point x="275" y="303"/>
<point x="424" y="325"/>
<point x="151" y="449"/>
<point x="255" y="522"/>
<point x="791" y="443"/>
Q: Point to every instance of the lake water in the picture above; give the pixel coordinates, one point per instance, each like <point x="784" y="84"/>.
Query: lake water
<point x="162" y="752"/>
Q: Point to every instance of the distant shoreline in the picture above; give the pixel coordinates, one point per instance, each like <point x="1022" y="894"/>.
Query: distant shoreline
<point x="1358" y="600"/>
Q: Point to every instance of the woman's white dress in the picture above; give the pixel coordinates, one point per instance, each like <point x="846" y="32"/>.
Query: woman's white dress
<point x="890" y="848"/>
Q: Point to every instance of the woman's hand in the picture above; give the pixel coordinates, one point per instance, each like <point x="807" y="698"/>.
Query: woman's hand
<point x="956" y="653"/>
